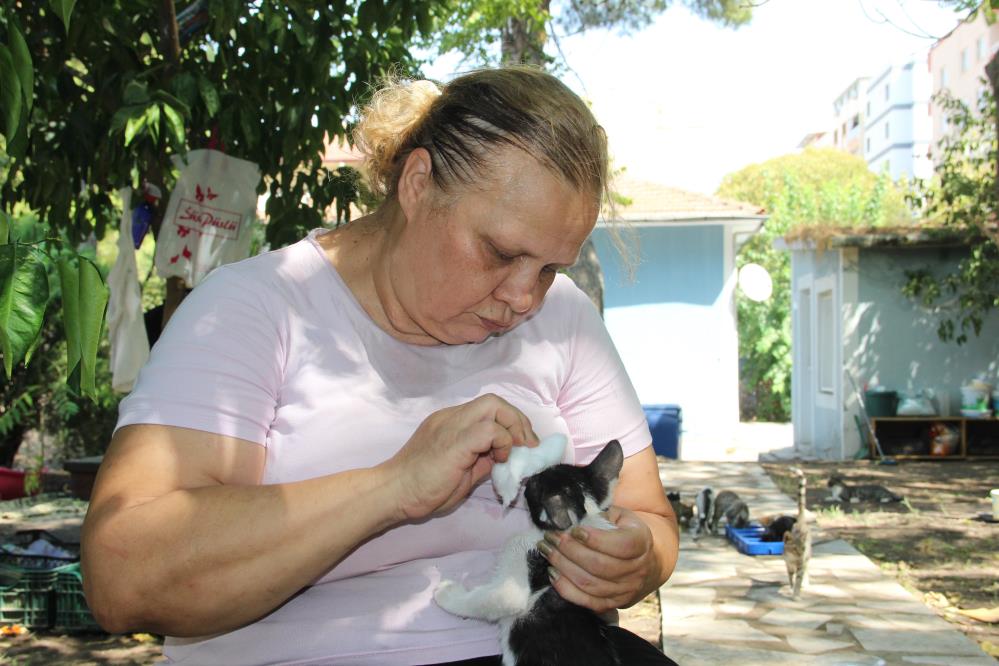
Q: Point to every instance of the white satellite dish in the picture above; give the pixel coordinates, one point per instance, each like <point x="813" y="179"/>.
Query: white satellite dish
<point x="755" y="282"/>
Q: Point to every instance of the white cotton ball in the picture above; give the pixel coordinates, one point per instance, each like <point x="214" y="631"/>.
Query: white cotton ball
<point x="524" y="462"/>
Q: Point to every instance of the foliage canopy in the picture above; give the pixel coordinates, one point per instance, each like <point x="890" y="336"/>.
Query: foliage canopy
<point x="818" y="188"/>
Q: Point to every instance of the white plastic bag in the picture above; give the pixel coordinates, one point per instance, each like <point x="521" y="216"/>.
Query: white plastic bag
<point x="126" y="323"/>
<point x="209" y="219"/>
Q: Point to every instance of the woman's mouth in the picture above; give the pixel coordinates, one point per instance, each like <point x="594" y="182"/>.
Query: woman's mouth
<point x="494" y="326"/>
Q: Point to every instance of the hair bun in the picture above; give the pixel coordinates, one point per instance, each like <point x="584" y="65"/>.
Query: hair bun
<point x="394" y="111"/>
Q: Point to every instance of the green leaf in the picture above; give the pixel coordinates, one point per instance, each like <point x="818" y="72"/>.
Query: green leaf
<point x="136" y="92"/>
<point x="166" y="97"/>
<point x="124" y="114"/>
<point x="4" y="228"/>
<point x="135" y="125"/>
<point x="209" y="96"/>
<point x="10" y="93"/>
<point x="24" y="293"/>
<point x="153" y="122"/>
<point x="84" y="304"/>
<point x="63" y="9"/>
<point x="22" y="64"/>
<point x="175" y="123"/>
<point x="69" y="281"/>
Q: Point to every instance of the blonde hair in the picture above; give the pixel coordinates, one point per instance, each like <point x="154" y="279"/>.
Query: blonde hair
<point x="461" y="123"/>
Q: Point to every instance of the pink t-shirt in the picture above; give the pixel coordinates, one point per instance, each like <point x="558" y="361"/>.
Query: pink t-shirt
<point x="276" y="350"/>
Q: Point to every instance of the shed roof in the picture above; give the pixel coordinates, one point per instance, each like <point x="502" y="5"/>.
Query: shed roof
<point x="655" y="202"/>
<point x="916" y="235"/>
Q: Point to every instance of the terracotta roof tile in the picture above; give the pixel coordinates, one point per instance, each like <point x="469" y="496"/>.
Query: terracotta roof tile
<point x="656" y="202"/>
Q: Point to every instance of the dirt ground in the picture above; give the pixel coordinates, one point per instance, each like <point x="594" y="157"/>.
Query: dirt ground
<point x="933" y="543"/>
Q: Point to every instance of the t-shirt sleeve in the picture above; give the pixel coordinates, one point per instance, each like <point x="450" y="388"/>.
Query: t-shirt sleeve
<point x="597" y="399"/>
<point x="217" y="366"/>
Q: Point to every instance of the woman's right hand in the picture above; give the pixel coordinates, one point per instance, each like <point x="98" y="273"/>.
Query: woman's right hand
<point x="453" y="449"/>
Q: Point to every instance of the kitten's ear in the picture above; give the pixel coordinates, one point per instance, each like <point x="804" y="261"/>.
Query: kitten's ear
<point x="607" y="464"/>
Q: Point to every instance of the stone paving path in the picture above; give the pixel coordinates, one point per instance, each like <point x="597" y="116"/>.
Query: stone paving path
<point x="723" y="607"/>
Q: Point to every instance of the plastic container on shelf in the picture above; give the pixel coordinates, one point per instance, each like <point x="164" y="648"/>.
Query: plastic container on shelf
<point x="880" y="403"/>
<point x="665" y="422"/>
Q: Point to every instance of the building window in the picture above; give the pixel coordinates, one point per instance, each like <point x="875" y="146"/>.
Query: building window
<point x="868" y="108"/>
<point x="826" y="324"/>
<point x="855" y="121"/>
<point x="944" y="80"/>
<point x="887" y="91"/>
<point x="887" y="130"/>
<point x="868" y="142"/>
<point x="981" y="47"/>
<point x="836" y="137"/>
<point x="964" y="60"/>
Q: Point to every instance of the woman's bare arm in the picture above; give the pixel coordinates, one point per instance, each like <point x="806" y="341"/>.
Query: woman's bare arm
<point x="181" y="540"/>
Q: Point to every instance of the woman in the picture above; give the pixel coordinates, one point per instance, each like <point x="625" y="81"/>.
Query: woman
<point x="303" y="458"/>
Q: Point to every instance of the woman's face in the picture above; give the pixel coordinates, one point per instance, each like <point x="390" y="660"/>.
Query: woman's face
<point x="481" y="261"/>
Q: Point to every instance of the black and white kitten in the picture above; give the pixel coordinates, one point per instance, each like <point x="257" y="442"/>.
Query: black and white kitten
<point x="537" y="626"/>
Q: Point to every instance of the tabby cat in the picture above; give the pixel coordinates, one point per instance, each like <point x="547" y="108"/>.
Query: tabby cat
<point x="537" y="626"/>
<point x="684" y="512"/>
<point x="729" y="505"/>
<point x="798" y="543"/>
<point x="871" y="492"/>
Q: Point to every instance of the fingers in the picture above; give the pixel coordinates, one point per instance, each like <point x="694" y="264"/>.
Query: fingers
<point x="600" y="569"/>
<point x="506" y="415"/>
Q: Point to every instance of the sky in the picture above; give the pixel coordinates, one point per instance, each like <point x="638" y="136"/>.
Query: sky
<point x="685" y="101"/>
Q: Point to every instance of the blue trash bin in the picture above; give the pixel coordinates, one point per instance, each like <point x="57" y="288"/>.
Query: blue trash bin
<point x="665" y="423"/>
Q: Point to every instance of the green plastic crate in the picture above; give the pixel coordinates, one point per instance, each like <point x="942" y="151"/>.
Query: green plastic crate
<point x="71" y="611"/>
<point x="26" y="597"/>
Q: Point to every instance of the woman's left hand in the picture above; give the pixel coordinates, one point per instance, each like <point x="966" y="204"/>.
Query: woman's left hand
<point x="604" y="569"/>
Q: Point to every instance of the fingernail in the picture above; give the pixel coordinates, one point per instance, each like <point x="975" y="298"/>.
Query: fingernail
<point x="553" y="574"/>
<point x="545" y="548"/>
<point x="551" y="538"/>
<point x="579" y="534"/>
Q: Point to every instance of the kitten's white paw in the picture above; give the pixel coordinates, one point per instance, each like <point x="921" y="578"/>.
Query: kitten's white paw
<point x="449" y="595"/>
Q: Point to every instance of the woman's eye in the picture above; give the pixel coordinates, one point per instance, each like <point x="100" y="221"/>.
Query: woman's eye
<point x="502" y="256"/>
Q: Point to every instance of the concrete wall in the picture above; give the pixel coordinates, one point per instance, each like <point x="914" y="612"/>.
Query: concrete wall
<point x="897" y="344"/>
<point x="674" y="325"/>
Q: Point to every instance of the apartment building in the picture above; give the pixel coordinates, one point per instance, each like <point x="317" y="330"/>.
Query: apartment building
<point x="898" y="126"/>
<point x="957" y="64"/>
<point x="848" y="120"/>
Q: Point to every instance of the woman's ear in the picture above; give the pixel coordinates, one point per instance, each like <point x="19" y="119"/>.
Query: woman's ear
<point x="415" y="182"/>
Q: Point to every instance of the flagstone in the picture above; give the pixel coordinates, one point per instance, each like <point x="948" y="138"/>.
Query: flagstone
<point x="795" y="618"/>
<point x="813" y="645"/>
<point x="946" y="641"/>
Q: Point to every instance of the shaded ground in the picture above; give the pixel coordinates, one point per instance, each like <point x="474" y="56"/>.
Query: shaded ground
<point x="85" y="650"/>
<point x="932" y="543"/>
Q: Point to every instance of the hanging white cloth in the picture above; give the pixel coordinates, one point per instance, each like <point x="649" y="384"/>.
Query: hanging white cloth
<point x="209" y="219"/>
<point x="126" y="326"/>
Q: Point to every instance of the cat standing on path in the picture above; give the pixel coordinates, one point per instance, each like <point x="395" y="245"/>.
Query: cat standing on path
<point x="798" y="543"/>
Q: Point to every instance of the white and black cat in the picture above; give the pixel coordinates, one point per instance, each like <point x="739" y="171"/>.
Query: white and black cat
<point x="537" y="626"/>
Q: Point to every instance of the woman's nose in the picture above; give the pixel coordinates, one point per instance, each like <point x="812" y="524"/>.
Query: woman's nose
<point x="517" y="290"/>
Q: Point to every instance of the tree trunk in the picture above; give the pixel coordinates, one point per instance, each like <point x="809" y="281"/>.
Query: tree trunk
<point x="588" y="276"/>
<point x="523" y="42"/>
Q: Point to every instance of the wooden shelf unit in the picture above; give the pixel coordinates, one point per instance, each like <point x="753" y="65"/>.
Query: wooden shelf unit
<point x="907" y="437"/>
